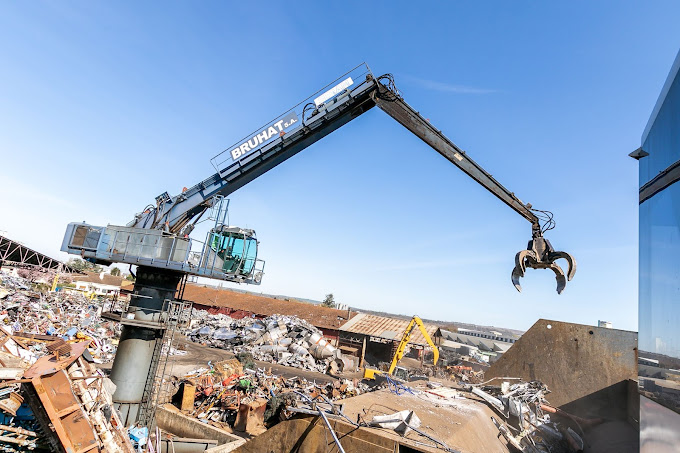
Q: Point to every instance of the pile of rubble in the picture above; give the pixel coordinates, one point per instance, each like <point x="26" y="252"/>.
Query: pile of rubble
<point x="462" y="373"/>
<point x="528" y="426"/>
<point x="286" y="340"/>
<point x="52" y="396"/>
<point x="227" y="395"/>
<point x="68" y="315"/>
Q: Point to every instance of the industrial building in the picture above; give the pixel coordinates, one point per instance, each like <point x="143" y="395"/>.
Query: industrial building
<point x="659" y="312"/>
<point x="375" y="338"/>
<point x="484" y="347"/>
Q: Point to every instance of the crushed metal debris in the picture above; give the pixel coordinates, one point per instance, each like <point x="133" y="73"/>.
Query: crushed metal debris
<point x="527" y="424"/>
<point x="34" y="317"/>
<point x="286" y="340"/>
<point x="227" y="395"/>
<point x="52" y="396"/>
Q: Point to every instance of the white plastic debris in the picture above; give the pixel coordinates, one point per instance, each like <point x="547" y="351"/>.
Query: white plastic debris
<point x="401" y="422"/>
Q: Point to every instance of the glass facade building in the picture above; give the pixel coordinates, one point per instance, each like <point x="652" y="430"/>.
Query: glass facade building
<point x="659" y="272"/>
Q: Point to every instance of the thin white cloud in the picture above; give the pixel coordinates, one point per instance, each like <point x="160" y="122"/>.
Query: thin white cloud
<point x="449" y="87"/>
<point x="456" y="262"/>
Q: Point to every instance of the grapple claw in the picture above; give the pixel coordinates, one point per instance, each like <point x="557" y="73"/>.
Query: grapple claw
<point x="571" y="270"/>
<point x="520" y="259"/>
<point x="515" y="278"/>
<point x="541" y="255"/>
<point x="559" y="276"/>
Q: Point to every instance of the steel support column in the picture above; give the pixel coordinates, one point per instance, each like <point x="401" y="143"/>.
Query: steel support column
<point x="134" y="361"/>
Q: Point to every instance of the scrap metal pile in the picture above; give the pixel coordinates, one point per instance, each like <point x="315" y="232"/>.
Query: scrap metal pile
<point x="286" y="340"/>
<point x="61" y="314"/>
<point x="52" y="396"/>
<point x="250" y="400"/>
<point x="57" y="402"/>
<point x="528" y="426"/>
<point x="231" y="397"/>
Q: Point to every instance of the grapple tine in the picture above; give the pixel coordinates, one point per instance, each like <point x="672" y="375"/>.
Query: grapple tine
<point x="570" y="259"/>
<point x="559" y="276"/>
<point x="520" y="259"/>
<point x="516" y="274"/>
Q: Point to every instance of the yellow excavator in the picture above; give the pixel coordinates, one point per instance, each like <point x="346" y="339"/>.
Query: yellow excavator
<point x="371" y="373"/>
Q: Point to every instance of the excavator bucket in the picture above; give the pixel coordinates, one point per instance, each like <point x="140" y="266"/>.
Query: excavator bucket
<point x="541" y="255"/>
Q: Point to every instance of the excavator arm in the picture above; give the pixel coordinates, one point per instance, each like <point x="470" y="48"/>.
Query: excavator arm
<point x="539" y="253"/>
<point x="406" y="338"/>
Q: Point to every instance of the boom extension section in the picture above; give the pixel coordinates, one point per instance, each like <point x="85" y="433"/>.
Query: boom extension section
<point x="406" y="338"/>
<point x="539" y="254"/>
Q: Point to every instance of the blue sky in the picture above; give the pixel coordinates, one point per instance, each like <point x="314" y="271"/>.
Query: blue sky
<point x="105" y="105"/>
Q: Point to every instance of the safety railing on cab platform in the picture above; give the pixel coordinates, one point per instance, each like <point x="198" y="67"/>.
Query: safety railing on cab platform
<point x="157" y="249"/>
<point x="174" y="313"/>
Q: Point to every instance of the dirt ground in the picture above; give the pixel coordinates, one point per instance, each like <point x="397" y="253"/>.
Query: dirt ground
<point x="463" y="424"/>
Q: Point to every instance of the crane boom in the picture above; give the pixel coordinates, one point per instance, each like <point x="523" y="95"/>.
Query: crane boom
<point x="179" y="210"/>
<point x="404" y="114"/>
<point x="293" y="132"/>
<point x="372" y="92"/>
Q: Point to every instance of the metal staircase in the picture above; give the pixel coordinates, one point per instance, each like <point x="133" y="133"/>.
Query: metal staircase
<point x="177" y="315"/>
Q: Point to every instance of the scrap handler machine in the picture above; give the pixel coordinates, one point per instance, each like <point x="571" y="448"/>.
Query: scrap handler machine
<point x="371" y="373"/>
<point x="173" y="218"/>
<point x="157" y="240"/>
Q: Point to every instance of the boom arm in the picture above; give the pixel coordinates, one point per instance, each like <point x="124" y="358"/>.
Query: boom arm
<point x="392" y="104"/>
<point x="174" y="214"/>
<point x="261" y="153"/>
<point x="539" y="253"/>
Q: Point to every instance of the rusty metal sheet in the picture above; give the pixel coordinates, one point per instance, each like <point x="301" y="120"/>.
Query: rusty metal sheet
<point x="581" y="365"/>
<point x="61" y="405"/>
<point x="57" y="389"/>
<point x="78" y="432"/>
<point x="250" y="417"/>
<point x="49" y="364"/>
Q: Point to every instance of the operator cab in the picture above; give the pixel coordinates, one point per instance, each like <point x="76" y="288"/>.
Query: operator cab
<point x="233" y="250"/>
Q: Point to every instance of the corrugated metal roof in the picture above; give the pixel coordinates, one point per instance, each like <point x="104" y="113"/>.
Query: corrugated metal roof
<point x="388" y="328"/>
<point x="477" y="342"/>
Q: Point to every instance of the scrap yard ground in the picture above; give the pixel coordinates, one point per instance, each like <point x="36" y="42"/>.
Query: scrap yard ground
<point x="262" y="377"/>
<point x="463" y="424"/>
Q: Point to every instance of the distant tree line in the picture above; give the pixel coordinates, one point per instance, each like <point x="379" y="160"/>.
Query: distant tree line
<point x="84" y="266"/>
<point x="329" y="301"/>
